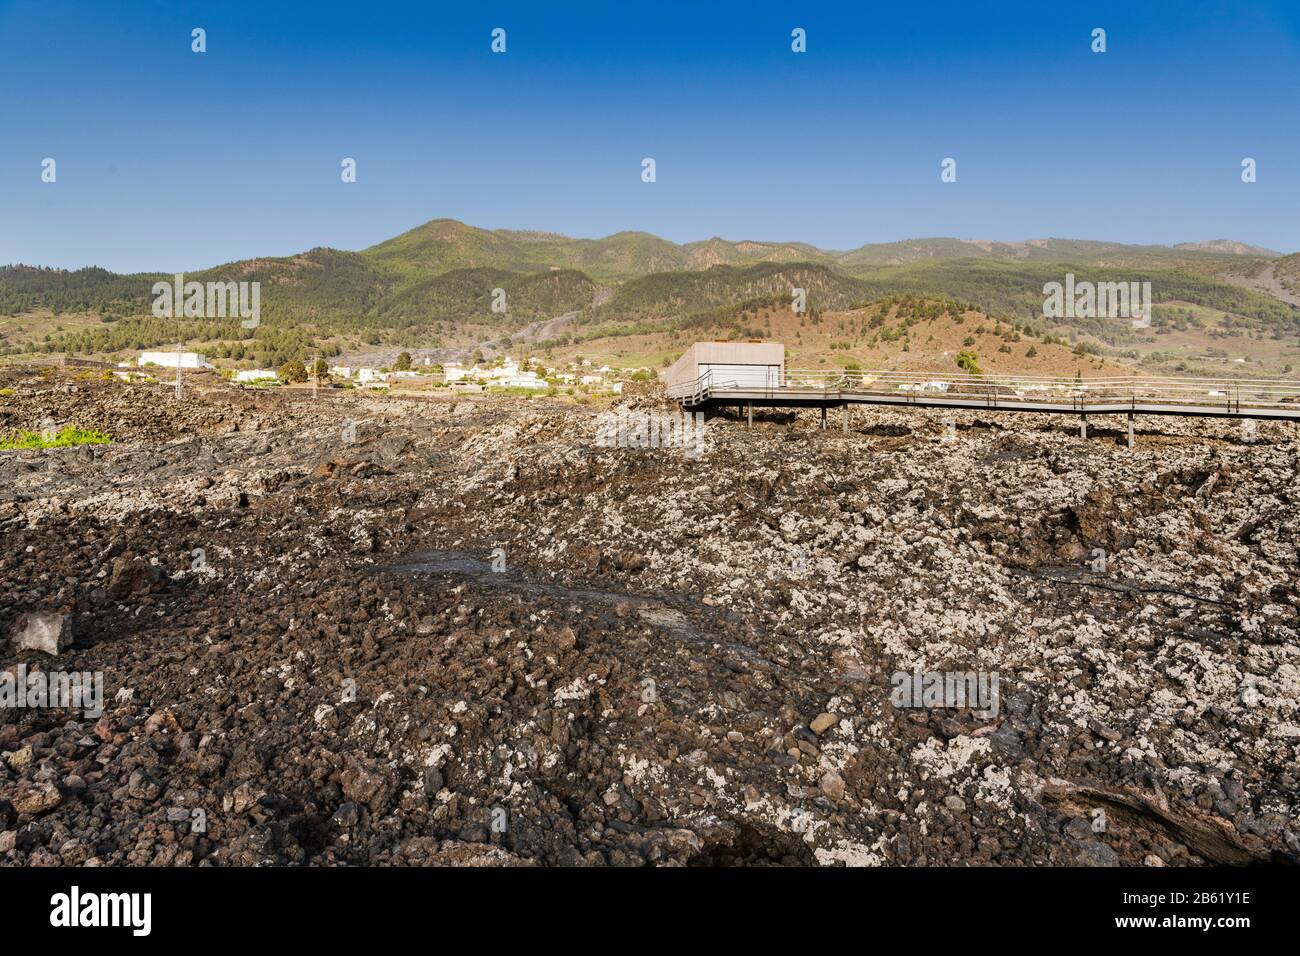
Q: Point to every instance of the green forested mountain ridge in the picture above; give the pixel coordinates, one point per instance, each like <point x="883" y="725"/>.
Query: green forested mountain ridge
<point x="1016" y="289"/>
<point x="444" y="244"/>
<point x="425" y="282"/>
<point x="466" y="293"/>
<point x="673" y="293"/>
<point x="84" y="290"/>
<point x="320" y="283"/>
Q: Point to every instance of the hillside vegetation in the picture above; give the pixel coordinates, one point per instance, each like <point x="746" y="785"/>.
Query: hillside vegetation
<point x="435" y="285"/>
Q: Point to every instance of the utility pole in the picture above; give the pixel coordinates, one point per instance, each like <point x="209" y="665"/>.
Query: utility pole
<point x="179" y="347"/>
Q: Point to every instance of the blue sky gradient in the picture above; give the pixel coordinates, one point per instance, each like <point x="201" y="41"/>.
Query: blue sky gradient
<point x="170" y="160"/>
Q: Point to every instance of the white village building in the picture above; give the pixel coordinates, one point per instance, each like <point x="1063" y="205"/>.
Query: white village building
<point x="174" y="359"/>
<point x="504" y="373"/>
<point x="527" y="380"/>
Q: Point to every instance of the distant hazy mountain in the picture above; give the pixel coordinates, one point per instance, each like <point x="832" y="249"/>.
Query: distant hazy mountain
<point x="1229" y="246"/>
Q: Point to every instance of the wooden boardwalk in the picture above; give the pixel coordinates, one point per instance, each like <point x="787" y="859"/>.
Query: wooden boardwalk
<point x="1192" y="397"/>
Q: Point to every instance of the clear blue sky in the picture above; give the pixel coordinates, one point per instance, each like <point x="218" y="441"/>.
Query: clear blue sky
<point x="171" y="160"/>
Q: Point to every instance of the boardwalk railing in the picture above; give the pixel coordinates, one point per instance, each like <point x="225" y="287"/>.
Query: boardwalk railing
<point x="1190" y="396"/>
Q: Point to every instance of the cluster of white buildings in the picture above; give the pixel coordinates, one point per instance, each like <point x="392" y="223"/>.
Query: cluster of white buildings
<point x="932" y="386"/>
<point x="507" y="375"/>
<point x="510" y="375"/>
<point x="368" y="377"/>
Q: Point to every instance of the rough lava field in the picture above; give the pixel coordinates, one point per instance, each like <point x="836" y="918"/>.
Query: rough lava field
<point x="472" y="636"/>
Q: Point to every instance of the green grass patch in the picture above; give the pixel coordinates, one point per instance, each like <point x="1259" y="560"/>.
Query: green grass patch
<point x="67" y="437"/>
<point x="518" y="392"/>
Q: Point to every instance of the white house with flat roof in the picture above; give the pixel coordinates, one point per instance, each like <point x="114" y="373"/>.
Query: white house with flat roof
<point x="507" y="371"/>
<point x="527" y="380"/>
<point x="732" y="364"/>
<point x="174" y="359"/>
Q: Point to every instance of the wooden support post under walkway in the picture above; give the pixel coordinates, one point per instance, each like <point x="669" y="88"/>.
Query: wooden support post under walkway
<point x="1083" y="426"/>
<point x="750" y="413"/>
<point x="823" y="418"/>
<point x="844" y="419"/>
<point x="1130" y="431"/>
